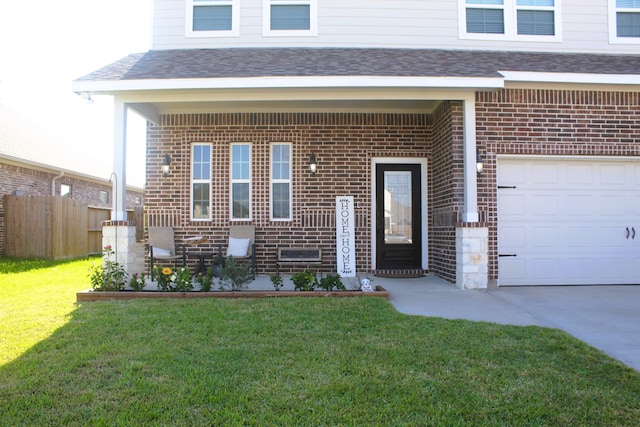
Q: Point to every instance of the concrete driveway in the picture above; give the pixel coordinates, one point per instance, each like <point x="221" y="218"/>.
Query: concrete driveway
<point x="606" y="317"/>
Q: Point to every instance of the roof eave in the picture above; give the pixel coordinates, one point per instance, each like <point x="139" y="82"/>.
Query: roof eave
<point x="114" y="87"/>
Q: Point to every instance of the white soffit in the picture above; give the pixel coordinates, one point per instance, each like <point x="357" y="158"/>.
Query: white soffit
<point x="289" y="82"/>
<point x="570" y="78"/>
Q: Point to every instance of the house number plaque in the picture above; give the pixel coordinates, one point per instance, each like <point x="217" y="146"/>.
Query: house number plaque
<point x="345" y="236"/>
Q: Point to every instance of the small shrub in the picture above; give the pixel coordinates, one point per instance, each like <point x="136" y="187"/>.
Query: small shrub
<point x="304" y="280"/>
<point x="235" y="275"/>
<point x="206" y="280"/>
<point x="137" y="282"/>
<point x="330" y="282"/>
<point x="277" y="281"/>
<point x="110" y="276"/>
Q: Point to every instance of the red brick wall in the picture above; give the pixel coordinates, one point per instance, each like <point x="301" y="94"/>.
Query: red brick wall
<point x="343" y="143"/>
<point x="446" y="189"/>
<point x="550" y="122"/>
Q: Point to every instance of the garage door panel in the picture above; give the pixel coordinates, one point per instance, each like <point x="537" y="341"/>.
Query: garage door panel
<point x="613" y="175"/>
<point x="578" y="270"/>
<point x="580" y="175"/>
<point x="613" y="206"/>
<point x="514" y="204"/>
<point x="545" y="237"/>
<point x="580" y="237"/>
<point x="545" y="204"/>
<point x="544" y="173"/>
<point x="566" y="221"/>
<point x="580" y="205"/>
<point x="544" y="269"/>
<point x="513" y="237"/>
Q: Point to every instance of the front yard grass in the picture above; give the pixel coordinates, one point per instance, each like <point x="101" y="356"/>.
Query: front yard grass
<point x="297" y="361"/>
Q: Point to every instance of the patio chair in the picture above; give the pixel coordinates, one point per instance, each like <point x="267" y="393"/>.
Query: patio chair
<point x="162" y="247"/>
<point x="241" y="246"/>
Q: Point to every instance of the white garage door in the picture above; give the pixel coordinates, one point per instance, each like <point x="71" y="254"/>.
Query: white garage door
<point x="564" y="222"/>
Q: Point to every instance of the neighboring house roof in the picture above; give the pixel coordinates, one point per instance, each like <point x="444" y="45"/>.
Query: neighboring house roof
<point x="25" y="142"/>
<point x="307" y="62"/>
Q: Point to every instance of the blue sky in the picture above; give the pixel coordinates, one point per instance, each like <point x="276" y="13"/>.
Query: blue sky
<point x="44" y="45"/>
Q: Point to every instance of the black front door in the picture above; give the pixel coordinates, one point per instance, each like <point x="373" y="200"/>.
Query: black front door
<point x="398" y="216"/>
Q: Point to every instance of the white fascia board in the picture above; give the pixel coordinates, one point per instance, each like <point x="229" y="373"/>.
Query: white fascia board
<point x="114" y="86"/>
<point x="575" y="78"/>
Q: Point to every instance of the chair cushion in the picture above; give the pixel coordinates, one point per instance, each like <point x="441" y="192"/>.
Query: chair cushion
<point x="238" y="247"/>
<point x="160" y="252"/>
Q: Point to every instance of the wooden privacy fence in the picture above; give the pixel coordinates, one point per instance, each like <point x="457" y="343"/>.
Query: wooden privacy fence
<point x="53" y="227"/>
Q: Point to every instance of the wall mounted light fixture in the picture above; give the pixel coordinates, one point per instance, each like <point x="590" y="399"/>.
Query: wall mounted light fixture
<point x="479" y="163"/>
<point x="166" y="163"/>
<point x="313" y="164"/>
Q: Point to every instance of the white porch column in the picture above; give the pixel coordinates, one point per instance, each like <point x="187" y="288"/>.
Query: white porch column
<point x="118" y="177"/>
<point x="470" y="212"/>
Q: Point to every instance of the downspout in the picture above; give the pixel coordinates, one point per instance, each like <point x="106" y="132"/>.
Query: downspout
<point x="53" y="183"/>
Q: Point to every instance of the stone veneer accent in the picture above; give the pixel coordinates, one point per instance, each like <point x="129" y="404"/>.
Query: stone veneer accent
<point x="121" y="236"/>
<point x="472" y="245"/>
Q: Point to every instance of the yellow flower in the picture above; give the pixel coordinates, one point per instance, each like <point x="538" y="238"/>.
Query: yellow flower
<point x="166" y="271"/>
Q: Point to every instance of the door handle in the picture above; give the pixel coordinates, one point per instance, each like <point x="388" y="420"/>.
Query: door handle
<point x="633" y="233"/>
<point x="627" y="233"/>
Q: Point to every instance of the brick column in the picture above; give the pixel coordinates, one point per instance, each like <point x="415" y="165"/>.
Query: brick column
<point x="121" y="236"/>
<point x="472" y="246"/>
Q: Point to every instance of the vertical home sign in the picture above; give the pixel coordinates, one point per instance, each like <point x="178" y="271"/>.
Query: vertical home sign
<point x="345" y="236"/>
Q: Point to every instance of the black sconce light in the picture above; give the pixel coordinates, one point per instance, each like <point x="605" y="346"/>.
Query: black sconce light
<point x="166" y="163"/>
<point x="479" y="163"/>
<point x="313" y="164"/>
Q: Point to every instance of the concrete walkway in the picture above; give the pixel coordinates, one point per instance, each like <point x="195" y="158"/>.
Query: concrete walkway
<point x="606" y="317"/>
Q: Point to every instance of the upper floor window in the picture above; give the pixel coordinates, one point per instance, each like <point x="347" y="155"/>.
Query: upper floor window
<point x="212" y="18"/>
<point x="526" y="20"/>
<point x="290" y="17"/>
<point x="104" y="197"/>
<point x="201" y="182"/>
<point x="240" y="181"/>
<point x="624" y="21"/>
<point x="281" y="194"/>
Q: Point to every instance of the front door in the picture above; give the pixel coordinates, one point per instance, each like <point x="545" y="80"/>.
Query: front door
<point x="398" y="216"/>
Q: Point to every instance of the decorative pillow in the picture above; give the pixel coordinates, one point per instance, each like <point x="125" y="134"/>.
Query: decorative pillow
<point x="157" y="252"/>
<point x="238" y="247"/>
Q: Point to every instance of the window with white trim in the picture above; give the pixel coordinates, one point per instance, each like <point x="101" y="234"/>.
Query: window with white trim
<point x="212" y="18"/>
<point x="526" y="20"/>
<point x="65" y="190"/>
<point x="624" y="21"/>
<point x="290" y="17"/>
<point x="201" y="182"/>
<point x="240" y="181"/>
<point x="281" y="194"/>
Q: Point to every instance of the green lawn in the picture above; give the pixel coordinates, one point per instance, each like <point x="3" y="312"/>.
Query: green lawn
<point x="298" y="362"/>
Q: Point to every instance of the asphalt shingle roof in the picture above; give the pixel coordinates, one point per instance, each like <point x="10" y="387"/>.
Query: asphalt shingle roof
<point x="307" y="62"/>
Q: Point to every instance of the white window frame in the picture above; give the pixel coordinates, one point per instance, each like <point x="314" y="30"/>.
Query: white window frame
<point x="613" y="25"/>
<point x="233" y="180"/>
<point x="266" y="19"/>
<point x="235" y="18"/>
<point x="510" y="8"/>
<point x="192" y="181"/>
<point x="69" y="190"/>
<point x="281" y="181"/>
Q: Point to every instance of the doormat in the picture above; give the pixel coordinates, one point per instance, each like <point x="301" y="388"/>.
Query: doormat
<point x="403" y="273"/>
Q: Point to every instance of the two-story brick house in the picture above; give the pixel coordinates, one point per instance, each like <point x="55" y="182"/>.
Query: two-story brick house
<point x="396" y="102"/>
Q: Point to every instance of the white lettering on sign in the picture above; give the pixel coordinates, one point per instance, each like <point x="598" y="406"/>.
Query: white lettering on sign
<point x="345" y="236"/>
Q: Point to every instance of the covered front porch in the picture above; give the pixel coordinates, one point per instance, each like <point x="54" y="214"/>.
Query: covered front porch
<point x="351" y="125"/>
